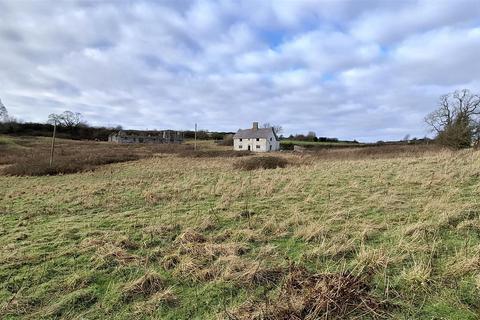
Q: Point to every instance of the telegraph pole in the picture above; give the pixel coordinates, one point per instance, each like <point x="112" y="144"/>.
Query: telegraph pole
<point x="195" y="144"/>
<point x="53" y="141"/>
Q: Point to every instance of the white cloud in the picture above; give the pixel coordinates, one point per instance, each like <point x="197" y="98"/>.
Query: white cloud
<point x="386" y="25"/>
<point x="353" y="69"/>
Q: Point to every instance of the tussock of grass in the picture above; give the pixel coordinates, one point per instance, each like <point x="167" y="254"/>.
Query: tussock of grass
<point x="127" y="244"/>
<point x="111" y="256"/>
<point x="145" y="286"/>
<point x="161" y="231"/>
<point x="464" y="263"/>
<point x="259" y="275"/>
<point x="110" y="253"/>
<point x="164" y="297"/>
<point x="304" y="295"/>
<point x="190" y="236"/>
<point x="169" y="262"/>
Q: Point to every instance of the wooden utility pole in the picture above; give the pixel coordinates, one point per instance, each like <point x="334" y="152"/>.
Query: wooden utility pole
<point x="195" y="144"/>
<point x="53" y="141"/>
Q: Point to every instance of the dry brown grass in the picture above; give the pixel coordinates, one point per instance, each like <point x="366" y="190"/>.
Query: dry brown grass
<point x="213" y="153"/>
<point x="378" y="152"/>
<point x="31" y="157"/>
<point x="264" y="162"/>
<point x="407" y="226"/>
<point x="145" y="286"/>
<point x="164" y="297"/>
<point x="109" y="252"/>
<point x="304" y="295"/>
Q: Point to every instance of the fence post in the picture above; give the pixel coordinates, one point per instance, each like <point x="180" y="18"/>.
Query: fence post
<point x="195" y="143"/>
<point x="53" y="142"/>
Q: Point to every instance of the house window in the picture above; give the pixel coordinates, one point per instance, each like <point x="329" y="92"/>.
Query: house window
<point x="240" y="147"/>
<point x="258" y="139"/>
<point x="257" y="146"/>
<point x="240" y="140"/>
<point x="270" y="139"/>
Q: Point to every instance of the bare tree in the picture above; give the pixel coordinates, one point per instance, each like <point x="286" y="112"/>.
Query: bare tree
<point x="66" y="119"/>
<point x="3" y="112"/>
<point x="276" y="128"/>
<point x="456" y="122"/>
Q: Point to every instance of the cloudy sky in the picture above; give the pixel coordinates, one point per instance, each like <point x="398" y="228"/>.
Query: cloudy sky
<point x="366" y="70"/>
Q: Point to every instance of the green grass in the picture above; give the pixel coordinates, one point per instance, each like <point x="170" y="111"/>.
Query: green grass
<point x="5" y="140"/>
<point x="318" y="143"/>
<point x="70" y="245"/>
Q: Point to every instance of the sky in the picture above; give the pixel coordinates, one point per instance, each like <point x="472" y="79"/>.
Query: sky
<point x="365" y="70"/>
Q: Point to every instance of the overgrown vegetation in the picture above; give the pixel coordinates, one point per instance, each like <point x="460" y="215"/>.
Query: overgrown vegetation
<point x="393" y="235"/>
<point x="31" y="157"/>
<point x="263" y="162"/>
<point x="213" y="153"/>
<point x="375" y="152"/>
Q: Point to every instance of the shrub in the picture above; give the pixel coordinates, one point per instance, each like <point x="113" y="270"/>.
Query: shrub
<point x="227" y="140"/>
<point x="269" y="162"/>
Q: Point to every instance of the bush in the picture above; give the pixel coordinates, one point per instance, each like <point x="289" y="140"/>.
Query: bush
<point x="458" y="135"/>
<point x="227" y="140"/>
<point x="269" y="162"/>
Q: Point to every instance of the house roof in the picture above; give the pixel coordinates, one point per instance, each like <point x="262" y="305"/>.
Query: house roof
<point x="261" y="133"/>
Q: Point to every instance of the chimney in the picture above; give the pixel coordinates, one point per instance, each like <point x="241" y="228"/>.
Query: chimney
<point x="255" y="126"/>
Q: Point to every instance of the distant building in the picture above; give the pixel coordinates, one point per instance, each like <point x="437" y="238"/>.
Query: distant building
<point x="256" y="139"/>
<point x="165" y="136"/>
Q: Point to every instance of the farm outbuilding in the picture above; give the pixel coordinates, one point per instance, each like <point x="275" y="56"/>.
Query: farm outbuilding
<point x="256" y="139"/>
<point x="165" y="136"/>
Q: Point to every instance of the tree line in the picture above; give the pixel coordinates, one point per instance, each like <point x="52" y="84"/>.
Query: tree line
<point x="70" y="125"/>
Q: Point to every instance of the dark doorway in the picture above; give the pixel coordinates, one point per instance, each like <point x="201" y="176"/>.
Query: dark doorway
<point x="248" y="148"/>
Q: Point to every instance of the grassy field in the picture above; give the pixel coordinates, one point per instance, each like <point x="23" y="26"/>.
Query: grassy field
<point x="177" y="237"/>
<point x="287" y="142"/>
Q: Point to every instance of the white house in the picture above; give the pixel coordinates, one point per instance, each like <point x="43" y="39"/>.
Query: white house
<point x="256" y="139"/>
